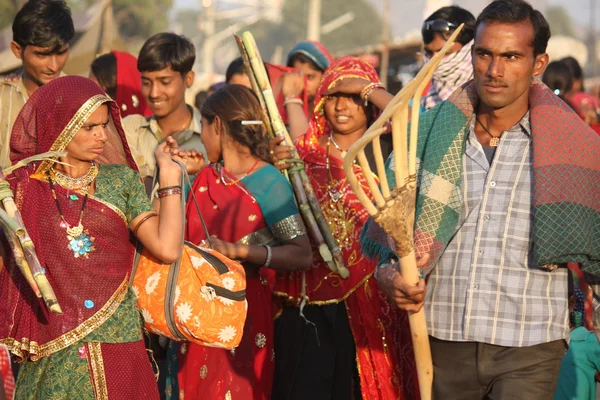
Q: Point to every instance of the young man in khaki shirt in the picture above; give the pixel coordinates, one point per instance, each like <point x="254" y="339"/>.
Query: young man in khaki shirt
<point x="42" y="30"/>
<point x="165" y="62"/>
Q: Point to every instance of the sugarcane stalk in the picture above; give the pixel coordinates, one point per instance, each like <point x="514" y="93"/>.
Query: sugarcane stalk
<point x="308" y="204"/>
<point x="8" y="227"/>
<point x="25" y="249"/>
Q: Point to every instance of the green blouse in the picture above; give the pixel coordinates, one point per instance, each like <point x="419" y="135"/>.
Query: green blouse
<point x="122" y="187"/>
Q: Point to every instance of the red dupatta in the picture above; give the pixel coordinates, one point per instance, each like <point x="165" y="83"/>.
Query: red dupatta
<point x="230" y="212"/>
<point x="89" y="290"/>
<point x="129" y="86"/>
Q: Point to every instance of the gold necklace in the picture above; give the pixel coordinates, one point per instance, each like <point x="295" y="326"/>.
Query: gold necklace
<point x="495" y="140"/>
<point x="332" y="190"/>
<point x="78" y="184"/>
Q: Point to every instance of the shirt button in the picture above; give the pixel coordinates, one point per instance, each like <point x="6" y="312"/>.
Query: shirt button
<point x="480" y="252"/>
<point x="486" y="217"/>
<point x="475" y="286"/>
<point x="492" y="184"/>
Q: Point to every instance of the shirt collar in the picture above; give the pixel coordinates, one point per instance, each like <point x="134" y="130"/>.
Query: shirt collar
<point x="195" y="125"/>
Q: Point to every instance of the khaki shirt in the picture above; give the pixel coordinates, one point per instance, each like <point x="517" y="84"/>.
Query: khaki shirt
<point x="144" y="135"/>
<point x="13" y="97"/>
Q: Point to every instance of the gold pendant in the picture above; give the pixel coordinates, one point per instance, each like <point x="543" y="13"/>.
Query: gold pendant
<point x="74" y="231"/>
<point x="494" y="141"/>
<point x="344" y="152"/>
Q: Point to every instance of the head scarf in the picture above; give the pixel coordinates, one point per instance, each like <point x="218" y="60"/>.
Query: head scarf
<point x="53" y="115"/>
<point x="129" y="86"/>
<point x="345" y="67"/>
<point x="313" y="50"/>
<point x="455" y="70"/>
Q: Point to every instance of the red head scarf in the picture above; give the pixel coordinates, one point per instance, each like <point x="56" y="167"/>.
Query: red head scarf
<point x="129" y="86"/>
<point x="56" y="111"/>
<point x="343" y="68"/>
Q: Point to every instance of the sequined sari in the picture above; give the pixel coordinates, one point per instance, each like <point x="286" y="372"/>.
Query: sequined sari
<point x="259" y="210"/>
<point x="83" y="352"/>
<point x="382" y="343"/>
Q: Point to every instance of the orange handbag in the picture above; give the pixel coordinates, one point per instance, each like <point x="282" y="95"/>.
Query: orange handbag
<point x="200" y="298"/>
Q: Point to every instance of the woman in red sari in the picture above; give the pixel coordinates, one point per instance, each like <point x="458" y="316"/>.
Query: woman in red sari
<point x="249" y="210"/>
<point x="80" y="214"/>
<point x="356" y="344"/>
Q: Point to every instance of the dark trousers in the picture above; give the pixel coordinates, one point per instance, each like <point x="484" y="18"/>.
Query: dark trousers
<point x="476" y="371"/>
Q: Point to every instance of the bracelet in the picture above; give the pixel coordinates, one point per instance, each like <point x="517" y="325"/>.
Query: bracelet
<point x="367" y="90"/>
<point x="269" y="255"/>
<point x="146" y="218"/>
<point x="167" y="188"/>
<point x="167" y="192"/>
<point x="293" y="100"/>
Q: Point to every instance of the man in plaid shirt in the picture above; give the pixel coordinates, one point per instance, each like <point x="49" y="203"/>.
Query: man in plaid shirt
<point x="497" y="321"/>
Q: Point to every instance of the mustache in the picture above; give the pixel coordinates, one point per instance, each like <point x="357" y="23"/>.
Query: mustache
<point x="494" y="82"/>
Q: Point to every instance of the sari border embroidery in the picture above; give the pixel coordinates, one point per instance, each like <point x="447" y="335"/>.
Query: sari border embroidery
<point x="287" y="297"/>
<point x="288" y="228"/>
<point x="25" y="348"/>
<point x="116" y="209"/>
<point x="73" y="127"/>
<point x="260" y="237"/>
<point x="97" y="368"/>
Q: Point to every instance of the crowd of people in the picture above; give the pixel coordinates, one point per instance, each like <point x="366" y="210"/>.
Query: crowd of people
<point x="507" y="226"/>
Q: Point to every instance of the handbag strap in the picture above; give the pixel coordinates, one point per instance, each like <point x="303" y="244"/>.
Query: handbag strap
<point x="185" y="182"/>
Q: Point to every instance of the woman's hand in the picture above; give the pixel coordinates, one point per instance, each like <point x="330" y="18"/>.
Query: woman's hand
<point x="280" y="153"/>
<point x="293" y="84"/>
<point x="229" y="250"/>
<point x="348" y="86"/>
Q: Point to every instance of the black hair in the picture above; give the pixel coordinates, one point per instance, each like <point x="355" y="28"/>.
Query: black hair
<point x="303" y="59"/>
<point x="236" y="67"/>
<point x="558" y="78"/>
<point x="200" y="98"/>
<point x="44" y="23"/>
<point x="514" y="12"/>
<point x="165" y="50"/>
<point x="234" y="104"/>
<point x="575" y="69"/>
<point x="456" y="15"/>
<point x="105" y="70"/>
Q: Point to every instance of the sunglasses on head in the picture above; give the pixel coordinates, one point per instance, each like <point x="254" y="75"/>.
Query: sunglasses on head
<point x="437" y="25"/>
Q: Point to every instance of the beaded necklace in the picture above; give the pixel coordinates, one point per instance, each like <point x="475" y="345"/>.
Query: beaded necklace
<point x="80" y="241"/>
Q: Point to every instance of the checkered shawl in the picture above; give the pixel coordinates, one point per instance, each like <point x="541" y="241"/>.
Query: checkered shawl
<point x="566" y="182"/>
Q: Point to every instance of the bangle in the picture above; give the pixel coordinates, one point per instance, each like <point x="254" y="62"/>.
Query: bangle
<point x="146" y="218"/>
<point x="367" y="90"/>
<point x="167" y="188"/>
<point x="269" y="255"/>
<point x="160" y="193"/>
<point x="293" y="100"/>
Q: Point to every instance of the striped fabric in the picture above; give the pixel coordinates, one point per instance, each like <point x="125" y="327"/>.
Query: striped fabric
<point x="12" y="98"/>
<point x="487" y="287"/>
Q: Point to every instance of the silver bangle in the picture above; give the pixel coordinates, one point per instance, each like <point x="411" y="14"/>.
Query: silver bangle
<point x="269" y="255"/>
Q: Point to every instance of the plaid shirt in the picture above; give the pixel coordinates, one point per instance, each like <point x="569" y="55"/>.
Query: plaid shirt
<point x="486" y="286"/>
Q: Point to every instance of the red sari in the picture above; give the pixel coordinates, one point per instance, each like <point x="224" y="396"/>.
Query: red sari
<point x="48" y="121"/>
<point x="381" y="333"/>
<point x="233" y="214"/>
